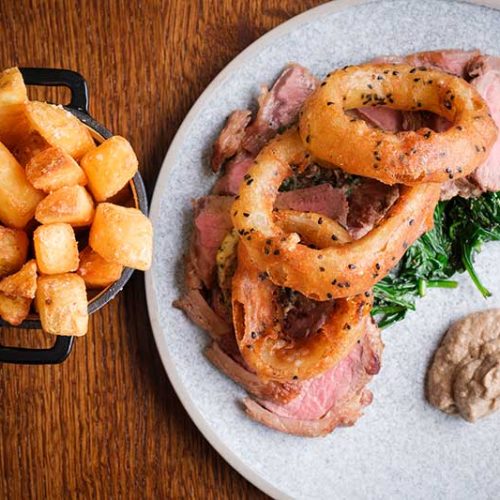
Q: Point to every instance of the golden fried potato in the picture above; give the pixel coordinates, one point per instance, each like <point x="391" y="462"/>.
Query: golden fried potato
<point x="61" y="301"/>
<point x="13" y="96"/>
<point x="12" y="88"/>
<point x="59" y="128"/>
<point x="53" y="169"/>
<point x="18" y="198"/>
<point x="109" y="167"/>
<point x="123" y="235"/>
<point x="22" y="283"/>
<point x="71" y="204"/>
<point x="14" y="310"/>
<point x="96" y="271"/>
<point x="28" y="145"/>
<point x="13" y="250"/>
<point x="56" y="250"/>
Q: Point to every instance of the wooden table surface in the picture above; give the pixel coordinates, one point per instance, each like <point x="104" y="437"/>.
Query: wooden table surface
<point x="107" y="423"/>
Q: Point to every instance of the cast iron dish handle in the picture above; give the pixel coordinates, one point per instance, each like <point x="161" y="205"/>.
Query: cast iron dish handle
<point x="79" y="105"/>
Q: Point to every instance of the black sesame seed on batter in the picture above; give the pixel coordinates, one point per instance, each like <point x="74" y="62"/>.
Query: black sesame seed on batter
<point x="276" y="252"/>
<point x="320" y="220"/>
<point x="352" y="266"/>
<point x="329" y="295"/>
<point x="246" y="214"/>
<point x="413" y="70"/>
<point x="322" y="269"/>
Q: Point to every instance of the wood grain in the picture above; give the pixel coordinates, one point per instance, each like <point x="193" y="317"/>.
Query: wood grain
<point x="106" y="423"/>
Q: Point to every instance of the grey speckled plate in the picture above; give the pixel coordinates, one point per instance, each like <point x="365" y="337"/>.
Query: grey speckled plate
<point x="401" y="448"/>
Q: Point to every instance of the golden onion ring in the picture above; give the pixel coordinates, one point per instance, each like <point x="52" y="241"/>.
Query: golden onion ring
<point x="265" y="346"/>
<point x="410" y="157"/>
<point x="336" y="271"/>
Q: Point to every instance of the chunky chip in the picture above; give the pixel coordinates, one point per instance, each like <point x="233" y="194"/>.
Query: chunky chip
<point x="22" y="283"/>
<point x="61" y="301"/>
<point x="14" y="310"/>
<point x="52" y="169"/>
<point x="71" y="204"/>
<point x="13" y="250"/>
<point x="28" y="146"/>
<point x="59" y="128"/>
<point x="123" y="235"/>
<point x="96" y="271"/>
<point x="18" y="198"/>
<point x="12" y="98"/>
<point x="109" y="167"/>
<point x="56" y="249"/>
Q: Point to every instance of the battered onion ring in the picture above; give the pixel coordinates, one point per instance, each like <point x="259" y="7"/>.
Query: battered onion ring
<point x="316" y="229"/>
<point x="336" y="271"/>
<point x="404" y="157"/>
<point x="265" y="346"/>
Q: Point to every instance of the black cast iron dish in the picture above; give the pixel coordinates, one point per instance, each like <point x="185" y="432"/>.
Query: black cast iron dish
<point x="79" y="107"/>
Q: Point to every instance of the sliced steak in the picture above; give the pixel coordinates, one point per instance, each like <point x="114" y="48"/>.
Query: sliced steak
<point x="234" y="172"/>
<point x="322" y="199"/>
<point x="368" y="202"/>
<point x="229" y="141"/>
<point x="212" y="221"/>
<point x="481" y="64"/>
<point x="279" y="107"/>
<point x="382" y="117"/>
<point x="452" y="61"/>
<point x="234" y="368"/>
<point x="199" y="312"/>
<point x="333" y="399"/>
<point x="487" y="176"/>
<point x="464" y="187"/>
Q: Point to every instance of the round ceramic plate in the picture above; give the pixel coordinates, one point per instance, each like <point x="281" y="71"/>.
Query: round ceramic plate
<point x="401" y="447"/>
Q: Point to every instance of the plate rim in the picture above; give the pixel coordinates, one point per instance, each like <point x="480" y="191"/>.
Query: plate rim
<point x="166" y="168"/>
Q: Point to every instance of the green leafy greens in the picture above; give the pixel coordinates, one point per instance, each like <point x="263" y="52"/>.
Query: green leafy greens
<point x="461" y="228"/>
